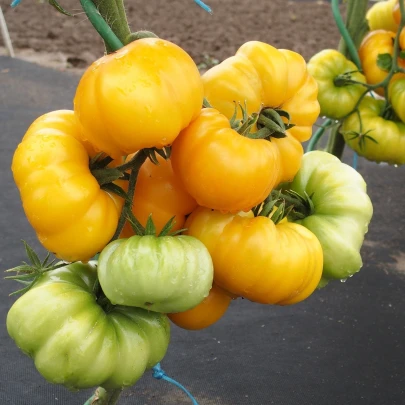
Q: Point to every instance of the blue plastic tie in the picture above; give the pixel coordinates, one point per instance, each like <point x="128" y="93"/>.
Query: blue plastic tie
<point x="15" y="3"/>
<point x="199" y="2"/>
<point x="159" y="374"/>
<point x="355" y="160"/>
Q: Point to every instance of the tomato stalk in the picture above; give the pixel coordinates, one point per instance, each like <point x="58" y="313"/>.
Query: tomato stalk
<point x="352" y="34"/>
<point x="103" y="397"/>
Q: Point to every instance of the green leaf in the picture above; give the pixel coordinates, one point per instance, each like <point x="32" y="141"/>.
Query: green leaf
<point x="384" y="61"/>
<point x="402" y="54"/>
<point x="56" y="5"/>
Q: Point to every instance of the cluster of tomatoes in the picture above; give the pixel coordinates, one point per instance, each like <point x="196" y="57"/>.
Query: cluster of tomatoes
<point x="369" y="99"/>
<point x="188" y="206"/>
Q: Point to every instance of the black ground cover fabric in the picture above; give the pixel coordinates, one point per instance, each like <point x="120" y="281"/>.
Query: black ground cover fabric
<point x="344" y="345"/>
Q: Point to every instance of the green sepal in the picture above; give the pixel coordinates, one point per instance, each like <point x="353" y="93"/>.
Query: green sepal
<point x="58" y="7"/>
<point x="33" y="271"/>
<point x="113" y="188"/>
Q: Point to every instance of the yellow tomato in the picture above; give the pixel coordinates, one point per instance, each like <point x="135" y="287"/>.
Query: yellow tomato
<point x="263" y="76"/>
<point x="72" y="216"/>
<point x="211" y="310"/>
<point x="380" y="16"/>
<point x="138" y="97"/>
<point x="376" y="43"/>
<point x="256" y="259"/>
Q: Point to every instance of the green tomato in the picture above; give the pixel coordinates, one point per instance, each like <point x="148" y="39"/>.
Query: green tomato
<point x="164" y="274"/>
<point x="373" y="136"/>
<point x="341" y="211"/>
<point x="396" y="92"/>
<point x="75" y="342"/>
<point x="336" y="98"/>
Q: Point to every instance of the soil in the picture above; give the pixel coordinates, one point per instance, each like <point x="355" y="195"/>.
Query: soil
<point x="41" y="34"/>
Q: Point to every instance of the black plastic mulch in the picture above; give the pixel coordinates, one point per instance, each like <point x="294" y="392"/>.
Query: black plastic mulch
<point x="344" y="345"/>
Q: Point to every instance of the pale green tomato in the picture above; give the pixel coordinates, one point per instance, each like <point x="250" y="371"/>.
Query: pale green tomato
<point x="164" y="274"/>
<point x="336" y="100"/>
<point x="341" y="213"/>
<point x="78" y="342"/>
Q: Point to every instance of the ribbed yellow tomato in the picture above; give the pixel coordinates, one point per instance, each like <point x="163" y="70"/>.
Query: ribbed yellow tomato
<point x="222" y="169"/>
<point x="380" y="16"/>
<point x="256" y="259"/>
<point x="376" y="43"/>
<point x="263" y="76"/>
<point x="138" y="97"/>
<point x="62" y="200"/>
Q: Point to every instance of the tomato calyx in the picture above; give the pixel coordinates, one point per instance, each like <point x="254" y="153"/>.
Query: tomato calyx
<point x="345" y="79"/>
<point x="269" y="122"/>
<point x="134" y="36"/>
<point x="273" y="207"/>
<point x="150" y="228"/>
<point x="363" y="138"/>
<point x="298" y="206"/>
<point x="29" y="273"/>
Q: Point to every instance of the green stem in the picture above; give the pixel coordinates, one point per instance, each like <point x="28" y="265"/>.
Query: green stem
<point x="136" y="164"/>
<point x="113" y="12"/>
<point x="104" y="397"/>
<point x="112" y="42"/>
<point x="318" y="134"/>
<point x="352" y="34"/>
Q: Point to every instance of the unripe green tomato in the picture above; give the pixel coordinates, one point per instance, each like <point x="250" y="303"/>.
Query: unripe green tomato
<point x="341" y="214"/>
<point x="76" y="342"/>
<point x="164" y="274"/>
<point x="336" y="98"/>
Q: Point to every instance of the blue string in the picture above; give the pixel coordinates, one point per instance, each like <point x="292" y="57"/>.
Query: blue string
<point x="159" y="374"/>
<point x="199" y="2"/>
<point x="355" y="160"/>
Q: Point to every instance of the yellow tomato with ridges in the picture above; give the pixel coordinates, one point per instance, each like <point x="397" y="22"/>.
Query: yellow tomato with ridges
<point x="262" y="76"/>
<point x="258" y="260"/>
<point x="222" y="169"/>
<point x="72" y="216"/>
<point x="139" y="97"/>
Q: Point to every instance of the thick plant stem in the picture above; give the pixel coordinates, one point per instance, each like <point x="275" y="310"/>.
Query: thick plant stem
<point x="113" y="12"/>
<point x="356" y="25"/>
<point x="103" y="397"/>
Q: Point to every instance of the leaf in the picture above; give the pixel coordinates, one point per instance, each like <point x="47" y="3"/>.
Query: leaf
<point x="384" y="61"/>
<point x="402" y="54"/>
<point x="56" y="5"/>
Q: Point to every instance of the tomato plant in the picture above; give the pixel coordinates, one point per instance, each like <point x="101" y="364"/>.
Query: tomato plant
<point x="256" y="259"/>
<point x="77" y="342"/>
<point x="61" y="197"/>
<point x="141" y="96"/>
